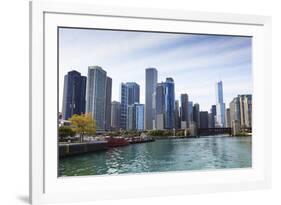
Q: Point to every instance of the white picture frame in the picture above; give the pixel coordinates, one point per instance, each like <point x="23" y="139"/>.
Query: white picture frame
<point x="46" y="187"/>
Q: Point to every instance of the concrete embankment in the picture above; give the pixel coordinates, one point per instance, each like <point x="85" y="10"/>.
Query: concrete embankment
<point x="81" y="148"/>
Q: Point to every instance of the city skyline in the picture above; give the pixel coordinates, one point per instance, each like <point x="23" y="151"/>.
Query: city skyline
<point x="232" y="61"/>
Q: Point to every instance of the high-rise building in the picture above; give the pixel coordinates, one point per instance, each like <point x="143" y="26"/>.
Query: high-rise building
<point x="131" y="117"/>
<point x="108" y="103"/>
<point x="211" y="122"/>
<point x="130" y="94"/>
<point x="139" y="117"/>
<point x="184" y="109"/>
<point x="220" y="106"/>
<point x="227" y="118"/>
<point x="150" y="88"/>
<point x="190" y="112"/>
<point x="96" y="95"/>
<point x="160" y="105"/>
<point x="212" y="116"/>
<point x="115" y="115"/>
<point x="169" y="103"/>
<point x="245" y="110"/>
<point x="177" y="115"/>
<point x="204" y="121"/>
<point x="73" y="94"/>
<point x="135" y="117"/>
<point x="196" y="115"/>
<point x="234" y="111"/>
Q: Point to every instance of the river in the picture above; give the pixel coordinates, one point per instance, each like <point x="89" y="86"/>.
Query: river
<point x="205" y="153"/>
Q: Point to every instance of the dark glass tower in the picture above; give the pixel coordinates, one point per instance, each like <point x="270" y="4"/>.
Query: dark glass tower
<point x="73" y="94"/>
<point x="169" y="103"/>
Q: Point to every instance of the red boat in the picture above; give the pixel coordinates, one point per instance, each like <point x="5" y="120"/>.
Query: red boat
<point x="116" y="141"/>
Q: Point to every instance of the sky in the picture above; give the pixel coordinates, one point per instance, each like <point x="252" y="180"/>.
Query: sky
<point x="195" y="61"/>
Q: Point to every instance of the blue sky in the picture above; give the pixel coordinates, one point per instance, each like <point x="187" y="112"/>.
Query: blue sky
<point x="195" y="62"/>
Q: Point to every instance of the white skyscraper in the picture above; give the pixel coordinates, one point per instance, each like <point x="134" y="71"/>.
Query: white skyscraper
<point x="220" y="105"/>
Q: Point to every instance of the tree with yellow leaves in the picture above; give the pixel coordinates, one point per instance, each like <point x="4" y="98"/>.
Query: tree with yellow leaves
<point x="83" y="124"/>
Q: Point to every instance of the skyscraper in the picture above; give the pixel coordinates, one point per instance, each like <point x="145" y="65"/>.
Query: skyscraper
<point x="190" y="112"/>
<point x="196" y="114"/>
<point x="96" y="95"/>
<point x="245" y="110"/>
<point x="220" y="106"/>
<point x="135" y="117"/>
<point x="169" y="103"/>
<point x="108" y="103"/>
<point x="184" y="110"/>
<point x="150" y="88"/>
<point x="139" y="117"/>
<point x="130" y="94"/>
<point x="160" y="105"/>
<point x="177" y="115"/>
<point x="73" y="94"/>
<point x="115" y="115"/>
<point x="227" y="118"/>
<point x="212" y="116"/>
<point x="234" y="111"/>
<point x="204" y="121"/>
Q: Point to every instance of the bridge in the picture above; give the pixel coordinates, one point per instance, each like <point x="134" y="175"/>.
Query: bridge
<point x="214" y="131"/>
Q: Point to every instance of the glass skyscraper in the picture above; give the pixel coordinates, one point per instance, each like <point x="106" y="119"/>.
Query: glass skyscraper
<point x="150" y="88"/>
<point x="73" y="94"/>
<point x="220" y="106"/>
<point x="96" y="95"/>
<point x="169" y="103"/>
<point x="130" y="94"/>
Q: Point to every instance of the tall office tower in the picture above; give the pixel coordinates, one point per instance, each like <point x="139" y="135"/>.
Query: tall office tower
<point x="184" y="110"/>
<point x="96" y="95"/>
<point x="115" y="115"/>
<point x="124" y="106"/>
<point x="204" y="121"/>
<point x="131" y="116"/>
<point x="245" y="110"/>
<point x="160" y="105"/>
<point x="169" y="103"/>
<point x="235" y="116"/>
<point x="150" y="88"/>
<point x="139" y="117"/>
<point x="133" y="93"/>
<point x="196" y="114"/>
<point x="130" y="94"/>
<point x="212" y="116"/>
<point x="234" y="110"/>
<point x="135" y="117"/>
<point x="177" y="115"/>
<point x="211" y="123"/>
<point x="220" y="106"/>
<point x="190" y="112"/>
<point x="227" y="118"/>
<point x="108" y="103"/>
<point x="73" y="94"/>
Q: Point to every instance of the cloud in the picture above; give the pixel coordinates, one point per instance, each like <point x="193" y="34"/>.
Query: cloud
<point x="194" y="61"/>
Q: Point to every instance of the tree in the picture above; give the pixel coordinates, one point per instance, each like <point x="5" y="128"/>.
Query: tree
<point x="84" y="125"/>
<point x="66" y="131"/>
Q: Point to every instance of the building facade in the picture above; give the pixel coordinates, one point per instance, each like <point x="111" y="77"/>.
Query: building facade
<point x="73" y="94"/>
<point x="204" y="119"/>
<point x="108" y="103"/>
<point x="96" y="93"/>
<point x="115" y="115"/>
<point x="196" y="115"/>
<point x="150" y="88"/>
<point x="169" y="103"/>
<point x="130" y="94"/>
<point x="220" y="105"/>
<point x="184" y="114"/>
